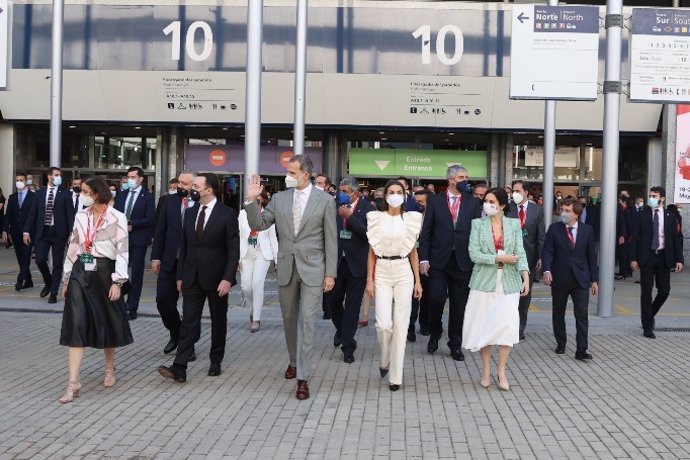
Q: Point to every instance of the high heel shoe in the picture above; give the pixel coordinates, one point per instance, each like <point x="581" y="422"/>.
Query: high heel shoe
<point x="383" y="372"/>
<point x="502" y="386"/>
<point x="485" y="385"/>
<point x="255" y="326"/>
<point x="73" y="390"/>
<point x="109" y="379"/>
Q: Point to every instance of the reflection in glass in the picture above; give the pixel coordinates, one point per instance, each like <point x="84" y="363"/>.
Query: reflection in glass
<point x="122" y="152"/>
<point x="528" y="162"/>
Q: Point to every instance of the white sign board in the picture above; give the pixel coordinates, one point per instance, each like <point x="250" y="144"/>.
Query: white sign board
<point x="660" y="55"/>
<point x="4" y="42"/>
<point x="565" y="157"/>
<point x="554" y="52"/>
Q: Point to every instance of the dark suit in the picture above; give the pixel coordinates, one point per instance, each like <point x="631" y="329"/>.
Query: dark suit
<point x="345" y="299"/>
<point x="50" y="238"/>
<point x="13" y="225"/>
<point x="532" y="240"/>
<point x="142" y="220"/>
<point x="573" y="269"/>
<point x="166" y="242"/>
<point x="445" y="247"/>
<point x="654" y="265"/>
<point x="202" y="264"/>
<point x="590" y="216"/>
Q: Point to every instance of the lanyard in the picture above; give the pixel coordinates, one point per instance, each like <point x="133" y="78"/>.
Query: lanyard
<point x="184" y="203"/>
<point x="91" y="234"/>
<point x="522" y="215"/>
<point x="570" y="236"/>
<point x="455" y="207"/>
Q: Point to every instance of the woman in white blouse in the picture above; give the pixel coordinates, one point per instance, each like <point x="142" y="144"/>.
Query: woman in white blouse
<point x="257" y="250"/>
<point x="94" y="271"/>
<point x="393" y="277"/>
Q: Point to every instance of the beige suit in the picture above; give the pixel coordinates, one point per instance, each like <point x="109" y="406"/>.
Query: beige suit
<point x="304" y="259"/>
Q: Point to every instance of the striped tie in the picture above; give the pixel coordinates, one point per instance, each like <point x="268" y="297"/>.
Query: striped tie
<point x="48" y="220"/>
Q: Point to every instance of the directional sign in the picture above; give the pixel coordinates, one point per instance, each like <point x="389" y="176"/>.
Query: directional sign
<point x="554" y="52"/>
<point x="4" y="42"/>
<point x="414" y="163"/>
<point x="660" y="55"/>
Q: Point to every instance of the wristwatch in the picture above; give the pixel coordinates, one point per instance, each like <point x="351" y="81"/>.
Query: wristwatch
<point x="118" y="283"/>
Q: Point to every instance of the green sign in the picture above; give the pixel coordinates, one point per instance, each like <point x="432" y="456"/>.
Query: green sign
<point x="415" y="163"/>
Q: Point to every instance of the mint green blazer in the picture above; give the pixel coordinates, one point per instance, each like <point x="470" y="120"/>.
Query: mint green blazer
<point x="483" y="255"/>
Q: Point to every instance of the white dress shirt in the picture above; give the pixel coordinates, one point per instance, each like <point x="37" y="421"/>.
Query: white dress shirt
<point x="303" y="196"/>
<point x="55" y="190"/>
<point x="209" y="210"/>
<point x="132" y="195"/>
<point x="662" y="235"/>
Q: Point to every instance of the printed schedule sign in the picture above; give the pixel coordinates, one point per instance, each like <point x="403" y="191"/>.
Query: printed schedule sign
<point x="554" y="52"/>
<point x="660" y="55"/>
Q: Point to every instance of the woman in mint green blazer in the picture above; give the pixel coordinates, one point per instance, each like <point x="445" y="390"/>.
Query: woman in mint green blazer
<point x="499" y="277"/>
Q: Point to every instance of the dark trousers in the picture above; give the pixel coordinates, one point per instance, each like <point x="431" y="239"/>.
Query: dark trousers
<point x="654" y="270"/>
<point x="166" y="301"/>
<point x="452" y="283"/>
<point x="420" y="307"/>
<point x="49" y="242"/>
<point x="580" y="298"/>
<point x="23" y="253"/>
<point x="193" y="299"/>
<point x="525" y="302"/>
<point x="137" y="261"/>
<point x="345" y="302"/>
<point x="623" y="259"/>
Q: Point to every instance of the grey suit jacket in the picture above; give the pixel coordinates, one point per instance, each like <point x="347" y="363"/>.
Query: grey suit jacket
<point x="314" y="249"/>
<point x="533" y="241"/>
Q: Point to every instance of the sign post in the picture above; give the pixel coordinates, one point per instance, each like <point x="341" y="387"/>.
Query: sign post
<point x="252" y="124"/>
<point x="56" y="85"/>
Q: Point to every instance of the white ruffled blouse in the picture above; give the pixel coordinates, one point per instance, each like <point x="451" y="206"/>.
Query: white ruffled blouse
<point x="393" y="235"/>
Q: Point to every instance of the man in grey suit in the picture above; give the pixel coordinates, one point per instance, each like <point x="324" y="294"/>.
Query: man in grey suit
<point x="307" y="258"/>
<point x="531" y="217"/>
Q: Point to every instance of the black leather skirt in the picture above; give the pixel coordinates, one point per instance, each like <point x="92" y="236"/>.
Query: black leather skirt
<point x="90" y="319"/>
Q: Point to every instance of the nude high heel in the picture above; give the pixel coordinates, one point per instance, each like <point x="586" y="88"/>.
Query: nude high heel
<point x="73" y="390"/>
<point x="109" y="379"/>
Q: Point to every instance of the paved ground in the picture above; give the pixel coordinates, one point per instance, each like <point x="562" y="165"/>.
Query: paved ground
<point x="632" y="400"/>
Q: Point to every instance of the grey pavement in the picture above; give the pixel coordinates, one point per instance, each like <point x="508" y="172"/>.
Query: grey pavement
<point x="631" y="401"/>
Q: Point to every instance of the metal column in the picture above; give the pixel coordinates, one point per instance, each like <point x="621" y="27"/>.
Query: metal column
<point x="252" y="119"/>
<point x="300" y="76"/>
<point x="56" y="85"/>
<point x="549" y="153"/>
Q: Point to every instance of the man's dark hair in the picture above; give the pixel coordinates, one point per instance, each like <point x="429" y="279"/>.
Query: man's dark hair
<point x="577" y="206"/>
<point x="305" y="163"/>
<point x="328" y="179"/>
<point x="525" y="185"/>
<point x="99" y="189"/>
<point x="137" y="169"/>
<point x="173" y="181"/>
<point x="50" y="170"/>
<point x="660" y="190"/>
<point x="423" y="192"/>
<point x="212" y="182"/>
<point x="20" y="173"/>
<point x="404" y="180"/>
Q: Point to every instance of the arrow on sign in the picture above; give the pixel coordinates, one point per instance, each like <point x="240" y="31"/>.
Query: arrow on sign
<point x="382" y="164"/>
<point x="522" y="18"/>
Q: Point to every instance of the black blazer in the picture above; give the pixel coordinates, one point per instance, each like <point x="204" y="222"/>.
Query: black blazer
<point x="438" y="237"/>
<point x="641" y="239"/>
<point x="143" y="218"/>
<point x="63" y="214"/>
<point x="534" y="226"/>
<point x="592" y="215"/>
<point x="214" y="257"/>
<point x="15" y="218"/>
<point x="559" y="258"/>
<point x="356" y="249"/>
<point x="168" y="231"/>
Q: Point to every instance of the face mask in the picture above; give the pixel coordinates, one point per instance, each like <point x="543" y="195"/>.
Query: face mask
<point x="76" y="189"/>
<point x="517" y="197"/>
<point x="463" y="186"/>
<point x="653" y="202"/>
<point x="124" y="186"/>
<point x="558" y="197"/>
<point x="421" y="207"/>
<point x="194" y="195"/>
<point x="291" y="182"/>
<point x="172" y="192"/>
<point x="85" y="201"/>
<point x="20" y="185"/>
<point x="182" y="192"/>
<point x="29" y="182"/>
<point x="565" y="217"/>
<point x="395" y="201"/>
<point x="57" y="181"/>
<point x="490" y="209"/>
<point x="113" y="193"/>
<point x="320" y="188"/>
<point x="344" y="198"/>
<point x="132" y="184"/>
<point x="639" y="205"/>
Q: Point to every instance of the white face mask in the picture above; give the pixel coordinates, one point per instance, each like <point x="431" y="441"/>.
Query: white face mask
<point x="565" y="218"/>
<point x="517" y="198"/>
<point x="20" y="185"/>
<point x="490" y="209"/>
<point x="395" y="201"/>
<point x="291" y="182"/>
<point x="113" y="193"/>
<point x="85" y="201"/>
<point x="320" y="188"/>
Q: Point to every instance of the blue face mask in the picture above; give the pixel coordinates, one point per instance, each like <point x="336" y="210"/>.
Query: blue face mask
<point x="344" y="198"/>
<point x="463" y="186"/>
<point x="124" y="187"/>
<point x="653" y="202"/>
<point x="57" y="181"/>
<point x="131" y="184"/>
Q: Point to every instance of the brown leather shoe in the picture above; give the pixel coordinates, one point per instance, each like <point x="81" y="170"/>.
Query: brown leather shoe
<point x="302" y="390"/>
<point x="290" y="372"/>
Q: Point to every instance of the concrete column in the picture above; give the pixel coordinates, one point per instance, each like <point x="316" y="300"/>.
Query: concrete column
<point x="508" y="147"/>
<point x="334" y="154"/>
<point x="655" y="151"/>
<point x="668" y="143"/>
<point x="496" y="160"/>
<point x="7" y="151"/>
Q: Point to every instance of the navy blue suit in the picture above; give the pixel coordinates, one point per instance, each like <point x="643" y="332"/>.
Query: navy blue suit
<point x="345" y="299"/>
<point x="445" y="247"/>
<point x="166" y="242"/>
<point x="573" y="269"/>
<point x="13" y="225"/>
<point x="50" y="238"/>
<point x="143" y="221"/>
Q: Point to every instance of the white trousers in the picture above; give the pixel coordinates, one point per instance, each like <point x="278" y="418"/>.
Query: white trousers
<point x="254" y="269"/>
<point x="394" y="284"/>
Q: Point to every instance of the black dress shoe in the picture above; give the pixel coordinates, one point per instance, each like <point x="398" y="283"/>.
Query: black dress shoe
<point x="457" y="355"/>
<point x="173" y="372"/>
<point x="649" y="334"/>
<point x="560" y="349"/>
<point x="170" y="346"/>
<point x="337" y="341"/>
<point x="394" y="387"/>
<point x="132" y="314"/>
<point x="52" y="298"/>
<point x="433" y="345"/>
<point x="45" y="291"/>
<point x="349" y="358"/>
<point x="192" y="357"/>
<point x="424" y="331"/>
<point x="18" y="286"/>
<point x="522" y="336"/>
<point x="27" y="284"/>
<point x="411" y="335"/>
<point x="214" y="370"/>
<point x="582" y="355"/>
<point x="326" y="314"/>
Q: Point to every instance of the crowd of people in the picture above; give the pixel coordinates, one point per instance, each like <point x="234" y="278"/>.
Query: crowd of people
<point x="410" y="250"/>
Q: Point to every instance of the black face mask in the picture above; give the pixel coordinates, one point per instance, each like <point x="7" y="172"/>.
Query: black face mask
<point x="182" y="192"/>
<point x="194" y="195"/>
<point x="76" y="189"/>
<point x="421" y="207"/>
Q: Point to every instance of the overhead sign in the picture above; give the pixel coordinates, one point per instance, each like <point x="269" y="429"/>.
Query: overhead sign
<point x="4" y="42"/>
<point x="230" y="158"/>
<point x="660" y="55"/>
<point x="415" y="163"/>
<point x="554" y="52"/>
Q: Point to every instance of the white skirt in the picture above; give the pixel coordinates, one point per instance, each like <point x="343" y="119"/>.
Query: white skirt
<point x="491" y="318"/>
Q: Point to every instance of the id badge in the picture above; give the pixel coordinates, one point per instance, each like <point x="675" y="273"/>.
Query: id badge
<point x="524" y="233"/>
<point x="501" y="252"/>
<point x="253" y="241"/>
<point x="345" y="234"/>
<point x="88" y="261"/>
